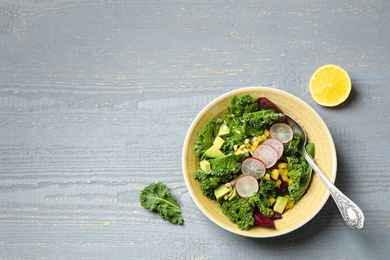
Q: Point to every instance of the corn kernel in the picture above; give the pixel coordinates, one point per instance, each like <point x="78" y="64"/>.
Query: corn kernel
<point x="287" y="196"/>
<point x="247" y="145"/>
<point x="290" y="181"/>
<point x="282" y="171"/>
<point x="266" y="133"/>
<point x="277" y="183"/>
<point x="290" y="204"/>
<point x="285" y="178"/>
<point x="267" y="177"/>
<point x="254" y="145"/>
<point x="271" y="200"/>
<point x="287" y="207"/>
<point x="275" y="174"/>
<point x="264" y="137"/>
<point x="259" y="138"/>
<point x="282" y="165"/>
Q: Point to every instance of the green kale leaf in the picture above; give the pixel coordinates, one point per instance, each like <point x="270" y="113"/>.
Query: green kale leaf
<point x="209" y="181"/>
<point x="300" y="171"/>
<point x="157" y="198"/>
<point x="310" y="149"/>
<point x="253" y="131"/>
<point x="291" y="148"/>
<point x="267" y="189"/>
<point x="206" y="136"/>
<point x="222" y="171"/>
<point x="237" y="133"/>
<point x="262" y="119"/>
<point x="263" y="205"/>
<point x="225" y="165"/>
<point x="245" y="104"/>
<point x="239" y="211"/>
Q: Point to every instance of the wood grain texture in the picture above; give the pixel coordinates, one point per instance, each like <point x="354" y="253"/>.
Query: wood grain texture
<point x="96" y="98"/>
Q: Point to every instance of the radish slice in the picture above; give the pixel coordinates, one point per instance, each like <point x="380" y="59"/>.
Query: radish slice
<point x="246" y="186"/>
<point x="253" y="167"/>
<point x="267" y="154"/>
<point x="282" y="132"/>
<point x="277" y="145"/>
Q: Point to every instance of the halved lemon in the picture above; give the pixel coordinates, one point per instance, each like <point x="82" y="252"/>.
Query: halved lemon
<point x="330" y="85"/>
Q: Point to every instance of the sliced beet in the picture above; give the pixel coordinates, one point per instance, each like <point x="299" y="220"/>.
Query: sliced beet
<point x="282" y="187"/>
<point x="277" y="215"/>
<point x="265" y="103"/>
<point x="262" y="220"/>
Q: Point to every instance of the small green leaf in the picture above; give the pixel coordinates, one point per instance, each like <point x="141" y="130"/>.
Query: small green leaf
<point x="157" y="198"/>
<point x="310" y="149"/>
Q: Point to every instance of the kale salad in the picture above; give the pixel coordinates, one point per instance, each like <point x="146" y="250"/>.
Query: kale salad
<point x="250" y="162"/>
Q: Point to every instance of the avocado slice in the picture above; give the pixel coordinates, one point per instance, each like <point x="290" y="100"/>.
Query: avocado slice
<point x="218" y="142"/>
<point x="205" y="165"/>
<point x="213" y="152"/>
<point x="224" y="130"/>
<point x="234" y="194"/>
<point x="220" y="191"/>
<point x="280" y="204"/>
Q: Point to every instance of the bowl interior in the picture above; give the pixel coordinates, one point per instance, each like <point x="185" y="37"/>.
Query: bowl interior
<point x="325" y="157"/>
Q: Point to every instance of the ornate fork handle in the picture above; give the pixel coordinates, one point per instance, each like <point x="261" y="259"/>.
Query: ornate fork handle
<point x="350" y="212"/>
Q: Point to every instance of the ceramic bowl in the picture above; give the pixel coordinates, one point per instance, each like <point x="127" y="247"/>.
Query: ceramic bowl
<point x="317" y="132"/>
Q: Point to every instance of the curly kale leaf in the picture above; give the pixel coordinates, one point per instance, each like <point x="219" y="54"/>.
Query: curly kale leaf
<point x="209" y="181"/>
<point x="239" y="211"/>
<point x="267" y="189"/>
<point x="237" y="133"/>
<point x="245" y="104"/>
<point x="222" y="171"/>
<point x="252" y="131"/>
<point x="157" y="198"/>
<point x="206" y="136"/>
<point x="262" y="119"/>
<point x="291" y="148"/>
<point x="225" y="165"/>
<point x="262" y="204"/>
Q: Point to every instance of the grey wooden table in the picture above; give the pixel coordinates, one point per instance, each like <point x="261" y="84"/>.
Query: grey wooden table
<point x="96" y="98"/>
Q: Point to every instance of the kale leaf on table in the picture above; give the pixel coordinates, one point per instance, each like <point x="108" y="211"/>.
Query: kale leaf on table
<point x="157" y="198"/>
